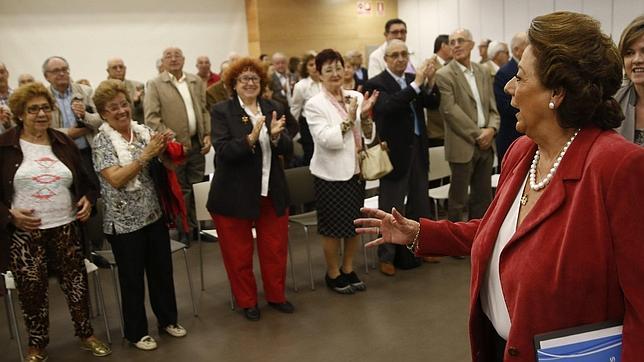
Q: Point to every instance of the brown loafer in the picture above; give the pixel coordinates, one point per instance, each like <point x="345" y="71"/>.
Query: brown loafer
<point x="387" y="268"/>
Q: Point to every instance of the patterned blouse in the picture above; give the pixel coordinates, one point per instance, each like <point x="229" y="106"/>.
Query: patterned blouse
<point x="125" y="211"/>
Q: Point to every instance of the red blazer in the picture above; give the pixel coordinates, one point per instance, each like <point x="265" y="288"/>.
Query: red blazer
<point x="578" y="256"/>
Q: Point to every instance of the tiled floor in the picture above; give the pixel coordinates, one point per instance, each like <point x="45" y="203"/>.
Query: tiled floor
<point x="418" y="315"/>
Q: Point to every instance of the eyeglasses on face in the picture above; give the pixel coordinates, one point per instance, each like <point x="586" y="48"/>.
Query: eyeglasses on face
<point x="459" y="41"/>
<point x="396" y="55"/>
<point x="63" y="70"/>
<point x="398" y="32"/>
<point x="245" y="79"/>
<point x="36" y="108"/>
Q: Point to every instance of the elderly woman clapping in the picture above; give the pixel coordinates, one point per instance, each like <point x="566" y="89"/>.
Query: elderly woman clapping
<point x="133" y="218"/>
<point x="45" y="192"/>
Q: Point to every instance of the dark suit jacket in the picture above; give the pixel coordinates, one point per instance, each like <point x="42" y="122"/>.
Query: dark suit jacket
<point x="395" y="120"/>
<point x="577" y="256"/>
<point x="507" y="132"/>
<point x="279" y="92"/>
<point x="236" y="186"/>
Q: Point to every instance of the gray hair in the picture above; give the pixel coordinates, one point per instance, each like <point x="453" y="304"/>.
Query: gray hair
<point x="495" y="47"/>
<point x="394" y="42"/>
<point x="46" y="62"/>
<point x="519" y="40"/>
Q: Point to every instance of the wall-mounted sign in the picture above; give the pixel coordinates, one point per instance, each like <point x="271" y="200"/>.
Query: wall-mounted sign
<point x="364" y="8"/>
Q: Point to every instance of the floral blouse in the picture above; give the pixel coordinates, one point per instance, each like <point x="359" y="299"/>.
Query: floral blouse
<point x="125" y="211"/>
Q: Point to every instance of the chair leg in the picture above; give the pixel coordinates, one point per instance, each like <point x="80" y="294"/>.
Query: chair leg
<point x="232" y="300"/>
<point x="436" y="209"/>
<point x="14" y="323"/>
<point x="100" y="301"/>
<point x="6" y="308"/>
<point x="200" y="256"/>
<point x="192" y="294"/>
<point x="290" y="257"/>
<point x="117" y="295"/>
<point x="308" y="255"/>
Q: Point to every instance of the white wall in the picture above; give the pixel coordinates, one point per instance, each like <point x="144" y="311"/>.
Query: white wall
<point x="501" y="19"/>
<point x="87" y="33"/>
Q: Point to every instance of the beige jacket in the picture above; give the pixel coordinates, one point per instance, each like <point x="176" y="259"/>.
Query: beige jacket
<point x="458" y="108"/>
<point x="137" y="108"/>
<point x="164" y="107"/>
<point x="91" y="120"/>
<point x="435" y="123"/>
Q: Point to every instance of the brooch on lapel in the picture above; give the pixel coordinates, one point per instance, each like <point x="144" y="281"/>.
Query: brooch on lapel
<point x="245" y="119"/>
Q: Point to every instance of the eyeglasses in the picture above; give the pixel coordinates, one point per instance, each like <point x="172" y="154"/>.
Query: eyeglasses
<point x="114" y="108"/>
<point x="396" y="55"/>
<point x="398" y="32"/>
<point x="247" y="79"/>
<point x="64" y="70"/>
<point x="35" y="109"/>
<point x="459" y="41"/>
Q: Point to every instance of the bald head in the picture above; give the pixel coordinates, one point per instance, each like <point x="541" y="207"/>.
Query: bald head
<point x="203" y="66"/>
<point x="518" y="44"/>
<point x="461" y="44"/>
<point x="279" y="62"/>
<point x="116" y="69"/>
<point x="25" y="79"/>
<point x="173" y="61"/>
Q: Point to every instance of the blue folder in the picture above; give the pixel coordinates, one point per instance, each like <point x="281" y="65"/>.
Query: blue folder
<point x="600" y="342"/>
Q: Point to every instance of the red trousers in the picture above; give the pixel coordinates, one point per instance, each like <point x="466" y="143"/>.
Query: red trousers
<point x="236" y="243"/>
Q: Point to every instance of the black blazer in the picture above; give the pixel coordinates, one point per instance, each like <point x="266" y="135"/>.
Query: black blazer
<point x="236" y="186"/>
<point x="395" y="120"/>
<point x="507" y="132"/>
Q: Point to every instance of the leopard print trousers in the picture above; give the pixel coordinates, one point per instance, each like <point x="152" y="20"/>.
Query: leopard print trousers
<point x="29" y="254"/>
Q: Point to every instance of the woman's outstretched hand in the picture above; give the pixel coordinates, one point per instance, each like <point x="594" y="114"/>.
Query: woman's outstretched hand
<point x="393" y="228"/>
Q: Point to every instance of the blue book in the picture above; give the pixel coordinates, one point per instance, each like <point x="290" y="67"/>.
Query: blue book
<point x="600" y="342"/>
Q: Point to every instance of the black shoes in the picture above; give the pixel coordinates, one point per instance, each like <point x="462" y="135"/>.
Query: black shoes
<point x="340" y="284"/>
<point x="285" y="307"/>
<point x="252" y="313"/>
<point x="354" y="281"/>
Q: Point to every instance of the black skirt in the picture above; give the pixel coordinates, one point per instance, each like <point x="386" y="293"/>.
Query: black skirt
<point x="338" y="204"/>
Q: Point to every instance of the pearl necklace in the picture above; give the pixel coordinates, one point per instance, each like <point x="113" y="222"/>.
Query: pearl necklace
<point x="537" y="186"/>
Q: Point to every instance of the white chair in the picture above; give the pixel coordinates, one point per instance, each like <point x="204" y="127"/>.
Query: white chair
<point x="10" y="285"/>
<point x="438" y="170"/>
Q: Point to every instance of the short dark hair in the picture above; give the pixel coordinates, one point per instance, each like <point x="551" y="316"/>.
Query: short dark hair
<point x="391" y="22"/>
<point x="440" y="40"/>
<point x="327" y="56"/>
<point x="304" y="72"/>
<point x="572" y="53"/>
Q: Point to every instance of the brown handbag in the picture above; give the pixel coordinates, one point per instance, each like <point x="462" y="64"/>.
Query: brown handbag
<point x="374" y="160"/>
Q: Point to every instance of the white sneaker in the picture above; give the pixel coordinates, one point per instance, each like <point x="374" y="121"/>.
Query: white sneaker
<point x="146" y="343"/>
<point x="175" y="330"/>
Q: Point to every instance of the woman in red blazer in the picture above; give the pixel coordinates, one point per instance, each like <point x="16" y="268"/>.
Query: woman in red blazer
<point x="561" y="244"/>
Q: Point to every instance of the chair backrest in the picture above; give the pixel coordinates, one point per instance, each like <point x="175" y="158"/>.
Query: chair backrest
<point x="201" y="190"/>
<point x="438" y="166"/>
<point x="300" y="185"/>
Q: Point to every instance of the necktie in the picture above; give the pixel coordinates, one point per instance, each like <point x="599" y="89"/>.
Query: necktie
<point x="403" y="85"/>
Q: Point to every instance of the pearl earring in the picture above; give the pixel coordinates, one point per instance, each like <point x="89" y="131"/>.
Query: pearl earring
<point x="551" y="105"/>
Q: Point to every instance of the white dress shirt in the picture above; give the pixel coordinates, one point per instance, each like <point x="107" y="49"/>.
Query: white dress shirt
<point x="303" y="90"/>
<point x="182" y="86"/>
<point x="264" y="144"/>
<point x="471" y="80"/>
<point x="492" y="299"/>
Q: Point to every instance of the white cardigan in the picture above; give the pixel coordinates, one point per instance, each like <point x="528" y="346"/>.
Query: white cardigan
<point x="334" y="154"/>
